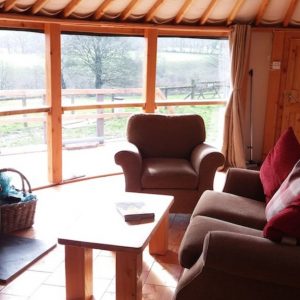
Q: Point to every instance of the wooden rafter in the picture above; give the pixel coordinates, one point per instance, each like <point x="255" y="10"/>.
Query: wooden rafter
<point x="234" y="11"/>
<point x="153" y="10"/>
<point x="207" y="12"/>
<point x="71" y="7"/>
<point x="261" y="11"/>
<point x="9" y="4"/>
<point x="127" y="11"/>
<point x="289" y="13"/>
<point x="101" y="9"/>
<point x="38" y="5"/>
<point x="184" y="8"/>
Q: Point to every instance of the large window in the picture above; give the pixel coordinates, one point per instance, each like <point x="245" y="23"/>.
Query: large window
<point x="102" y="83"/>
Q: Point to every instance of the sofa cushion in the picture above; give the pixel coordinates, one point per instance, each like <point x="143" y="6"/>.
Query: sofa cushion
<point x="283" y="210"/>
<point x="279" y="162"/>
<point x="287" y="194"/>
<point x="168" y="173"/>
<point x="231" y="208"/>
<point x="192" y="242"/>
<point x="285" y="226"/>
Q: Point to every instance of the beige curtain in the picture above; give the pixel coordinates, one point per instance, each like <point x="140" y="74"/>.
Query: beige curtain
<point x="233" y="142"/>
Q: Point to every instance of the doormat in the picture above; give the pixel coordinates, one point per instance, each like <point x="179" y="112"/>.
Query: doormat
<point x="18" y="253"/>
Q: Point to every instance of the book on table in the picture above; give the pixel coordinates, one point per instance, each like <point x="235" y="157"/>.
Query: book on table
<point x="134" y="210"/>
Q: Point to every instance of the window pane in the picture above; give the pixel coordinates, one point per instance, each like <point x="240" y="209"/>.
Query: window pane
<point x="195" y="69"/>
<point x="91" y="139"/>
<point x="211" y="114"/>
<point x="102" y="68"/>
<point x="98" y="69"/>
<point x="23" y="146"/>
<point x="22" y="84"/>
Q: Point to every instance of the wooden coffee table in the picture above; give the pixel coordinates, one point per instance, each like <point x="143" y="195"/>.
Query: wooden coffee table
<point x="102" y="227"/>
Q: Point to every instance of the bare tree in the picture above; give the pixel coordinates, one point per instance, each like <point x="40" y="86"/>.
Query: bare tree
<point x="107" y="58"/>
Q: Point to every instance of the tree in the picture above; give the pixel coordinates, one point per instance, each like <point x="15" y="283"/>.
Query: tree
<point x="106" y="59"/>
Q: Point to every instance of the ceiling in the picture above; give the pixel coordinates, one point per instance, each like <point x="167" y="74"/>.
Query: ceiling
<point x="282" y="13"/>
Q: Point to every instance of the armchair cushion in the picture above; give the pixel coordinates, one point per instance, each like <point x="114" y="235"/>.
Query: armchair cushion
<point x="168" y="173"/>
<point x="279" y="162"/>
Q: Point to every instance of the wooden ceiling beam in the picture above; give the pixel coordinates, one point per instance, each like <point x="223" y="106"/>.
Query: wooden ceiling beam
<point x="153" y="9"/>
<point x="10" y="20"/>
<point x="261" y="11"/>
<point x="38" y="5"/>
<point x="9" y="4"/>
<point x="234" y="11"/>
<point x="207" y="12"/>
<point x="127" y="11"/>
<point x="101" y="9"/>
<point x="289" y="12"/>
<point x="69" y="9"/>
<point x="184" y="8"/>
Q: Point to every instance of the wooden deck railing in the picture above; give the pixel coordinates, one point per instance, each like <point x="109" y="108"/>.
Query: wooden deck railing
<point x="24" y="114"/>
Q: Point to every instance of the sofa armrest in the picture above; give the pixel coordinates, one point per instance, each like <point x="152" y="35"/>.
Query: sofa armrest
<point x="205" y="160"/>
<point x="245" y="183"/>
<point x="230" y="259"/>
<point x="252" y="257"/>
<point x="129" y="158"/>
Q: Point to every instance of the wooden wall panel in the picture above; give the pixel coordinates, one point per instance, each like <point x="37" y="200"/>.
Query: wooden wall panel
<point x="273" y="92"/>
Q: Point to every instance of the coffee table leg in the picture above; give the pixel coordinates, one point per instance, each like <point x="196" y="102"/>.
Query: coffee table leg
<point x="128" y="275"/>
<point x="159" y="241"/>
<point x="79" y="272"/>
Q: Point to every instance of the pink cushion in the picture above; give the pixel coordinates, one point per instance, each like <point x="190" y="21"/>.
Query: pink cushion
<point x="286" y="195"/>
<point x="283" y="210"/>
<point x="285" y="226"/>
<point x="279" y="162"/>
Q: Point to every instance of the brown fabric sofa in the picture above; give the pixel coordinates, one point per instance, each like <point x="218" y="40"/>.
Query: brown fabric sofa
<point x="167" y="154"/>
<point x="224" y="253"/>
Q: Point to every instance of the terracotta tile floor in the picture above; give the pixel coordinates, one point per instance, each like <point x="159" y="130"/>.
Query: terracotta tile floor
<point x="57" y="206"/>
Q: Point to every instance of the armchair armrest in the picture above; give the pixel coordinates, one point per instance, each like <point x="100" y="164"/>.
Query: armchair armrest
<point x="245" y="183"/>
<point x="228" y="256"/>
<point x="129" y="158"/>
<point x="205" y="159"/>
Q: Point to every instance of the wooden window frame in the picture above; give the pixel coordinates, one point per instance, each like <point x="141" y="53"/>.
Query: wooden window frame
<point x="54" y="109"/>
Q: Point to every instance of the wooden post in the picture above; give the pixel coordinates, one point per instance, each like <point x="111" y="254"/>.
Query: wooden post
<point x="150" y="70"/>
<point x="53" y="98"/>
<point x="128" y="275"/>
<point x="79" y="272"/>
<point x="193" y="89"/>
<point x="158" y="244"/>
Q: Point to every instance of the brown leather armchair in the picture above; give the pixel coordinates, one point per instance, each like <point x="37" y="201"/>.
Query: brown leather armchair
<point x="167" y="154"/>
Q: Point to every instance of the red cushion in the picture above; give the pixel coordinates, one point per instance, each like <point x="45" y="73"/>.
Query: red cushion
<point x="279" y="162"/>
<point x="285" y="226"/>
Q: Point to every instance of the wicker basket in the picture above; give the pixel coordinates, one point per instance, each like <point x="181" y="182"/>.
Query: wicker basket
<point x="19" y="215"/>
